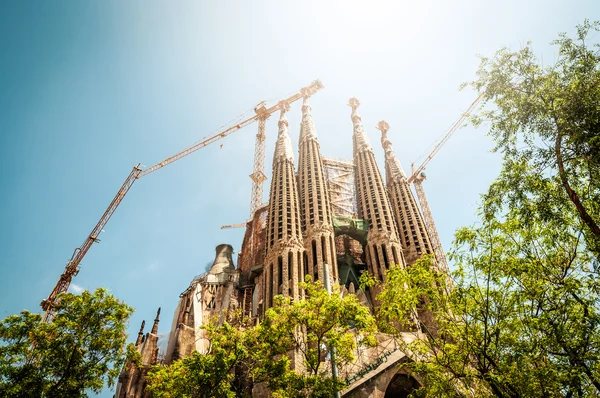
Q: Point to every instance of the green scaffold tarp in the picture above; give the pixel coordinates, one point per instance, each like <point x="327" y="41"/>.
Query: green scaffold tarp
<point x="355" y="228"/>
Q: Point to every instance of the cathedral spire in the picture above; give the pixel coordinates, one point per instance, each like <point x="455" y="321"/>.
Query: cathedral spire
<point x="393" y="168"/>
<point x="315" y="203"/>
<point x="156" y="320"/>
<point x="140" y="337"/>
<point x="283" y="255"/>
<point x="383" y="246"/>
<point x="413" y="235"/>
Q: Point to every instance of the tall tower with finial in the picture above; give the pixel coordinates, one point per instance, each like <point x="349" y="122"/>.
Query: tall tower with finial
<point x="413" y="235"/>
<point x="383" y="246"/>
<point x="315" y="203"/>
<point x="284" y="246"/>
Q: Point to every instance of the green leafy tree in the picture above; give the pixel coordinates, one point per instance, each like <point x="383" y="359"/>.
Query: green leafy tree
<point x="522" y="316"/>
<point x="240" y="357"/>
<point x="81" y="349"/>
<point x="546" y="123"/>
<point x="310" y="329"/>
<point x="212" y="374"/>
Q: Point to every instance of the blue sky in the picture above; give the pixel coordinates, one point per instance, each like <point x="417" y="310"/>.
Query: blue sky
<point x="89" y="89"/>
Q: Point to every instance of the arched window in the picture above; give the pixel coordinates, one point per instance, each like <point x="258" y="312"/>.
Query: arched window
<point x="270" y="285"/>
<point x="290" y="279"/>
<point x="315" y="260"/>
<point x="324" y="251"/>
<point x="280" y="276"/>
<point x="377" y="261"/>
<point x="385" y="257"/>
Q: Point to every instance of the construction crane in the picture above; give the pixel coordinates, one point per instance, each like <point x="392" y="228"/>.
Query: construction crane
<point x="417" y="178"/>
<point x="258" y="175"/>
<point x="73" y="265"/>
<point x="231" y="226"/>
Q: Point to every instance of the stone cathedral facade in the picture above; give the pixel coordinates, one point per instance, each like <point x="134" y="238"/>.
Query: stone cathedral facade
<point x="326" y="211"/>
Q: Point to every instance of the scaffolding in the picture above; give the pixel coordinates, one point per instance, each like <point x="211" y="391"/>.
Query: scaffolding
<point x="339" y="174"/>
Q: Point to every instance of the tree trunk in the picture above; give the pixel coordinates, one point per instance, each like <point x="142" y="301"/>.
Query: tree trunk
<point x="583" y="214"/>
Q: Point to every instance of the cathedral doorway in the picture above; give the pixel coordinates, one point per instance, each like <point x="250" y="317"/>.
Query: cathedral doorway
<point x="401" y="386"/>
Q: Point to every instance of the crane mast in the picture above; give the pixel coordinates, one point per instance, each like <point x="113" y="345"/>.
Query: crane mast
<point x="258" y="175"/>
<point x="262" y="113"/>
<point x="72" y="267"/>
<point x="417" y="178"/>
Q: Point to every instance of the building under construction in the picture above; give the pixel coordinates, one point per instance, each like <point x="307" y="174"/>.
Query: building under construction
<point x="320" y="211"/>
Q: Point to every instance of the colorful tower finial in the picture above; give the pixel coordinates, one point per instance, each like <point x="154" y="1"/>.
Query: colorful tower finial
<point x="393" y="168"/>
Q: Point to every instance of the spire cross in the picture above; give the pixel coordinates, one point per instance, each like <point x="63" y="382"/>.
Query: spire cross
<point x="354" y="103"/>
<point x="383" y="126"/>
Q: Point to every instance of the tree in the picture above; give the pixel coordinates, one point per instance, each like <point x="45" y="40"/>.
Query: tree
<point x="208" y="375"/>
<point x="522" y="316"/>
<point x="311" y="328"/>
<point x="242" y="357"/>
<point x="546" y="123"/>
<point x="81" y="349"/>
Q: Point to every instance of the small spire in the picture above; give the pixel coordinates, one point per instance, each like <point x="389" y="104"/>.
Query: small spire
<point x="140" y="337"/>
<point x="360" y="139"/>
<point x="383" y="126"/>
<point x="307" y="127"/>
<point x="156" y="320"/>
<point x="283" y="146"/>
<point x="392" y="164"/>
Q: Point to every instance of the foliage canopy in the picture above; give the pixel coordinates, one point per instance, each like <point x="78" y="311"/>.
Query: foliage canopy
<point x="522" y="316"/>
<point x="81" y="349"/>
<point x="242" y="357"/>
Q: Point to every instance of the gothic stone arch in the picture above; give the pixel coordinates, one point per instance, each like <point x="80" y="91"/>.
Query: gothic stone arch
<point x="394" y="382"/>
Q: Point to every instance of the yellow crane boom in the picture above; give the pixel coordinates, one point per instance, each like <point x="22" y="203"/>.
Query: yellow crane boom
<point x="72" y="267"/>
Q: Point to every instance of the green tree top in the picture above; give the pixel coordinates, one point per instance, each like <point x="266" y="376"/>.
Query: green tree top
<point x="242" y="357"/>
<point x="81" y="349"/>
<point x="546" y="122"/>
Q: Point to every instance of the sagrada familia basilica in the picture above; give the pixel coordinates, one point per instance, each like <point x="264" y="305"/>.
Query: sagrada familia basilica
<point x="328" y="211"/>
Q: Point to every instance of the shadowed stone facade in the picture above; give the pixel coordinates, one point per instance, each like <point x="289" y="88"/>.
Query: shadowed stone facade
<point x="210" y="296"/>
